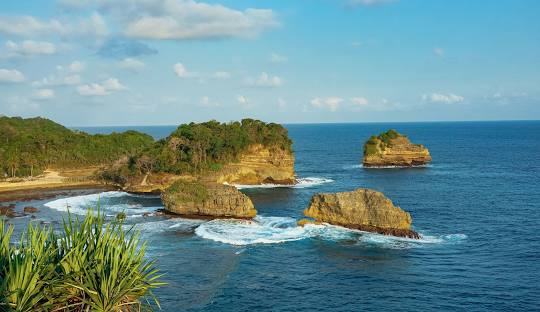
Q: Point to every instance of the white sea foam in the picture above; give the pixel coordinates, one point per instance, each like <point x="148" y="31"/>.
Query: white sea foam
<point x="398" y="167"/>
<point x="262" y="230"/>
<point x="175" y="224"/>
<point x="80" y="204"/>
<point x="300" y="183"/>
<point x="272" y="230"/>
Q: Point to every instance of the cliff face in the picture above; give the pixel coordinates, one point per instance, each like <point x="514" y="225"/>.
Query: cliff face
<point x="207" y="199"/>
<point x="362" y="209"/>
<point x="394" y="150"/>
<point x="258" y="165"/>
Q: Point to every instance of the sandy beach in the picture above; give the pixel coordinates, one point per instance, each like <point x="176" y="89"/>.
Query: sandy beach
<point x="50" y="180"/>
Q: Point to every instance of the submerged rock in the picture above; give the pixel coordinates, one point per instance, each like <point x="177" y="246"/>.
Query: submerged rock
<point x="362" y="209"/>
<point x="195" y="198"/>
<point x="30" y="209"/>
<point x="394" y="149"/>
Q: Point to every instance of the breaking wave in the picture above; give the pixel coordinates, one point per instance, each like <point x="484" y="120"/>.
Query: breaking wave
<point x="273" y="230"/>
<point x="110" y="203"/>
<point x="300" y="183"/>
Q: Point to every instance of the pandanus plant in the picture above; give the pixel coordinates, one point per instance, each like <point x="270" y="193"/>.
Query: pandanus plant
<point x="90" y="265"/>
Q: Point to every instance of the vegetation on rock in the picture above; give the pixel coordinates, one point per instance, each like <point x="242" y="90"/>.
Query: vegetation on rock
<point x="196" y="148"/>
<point x="381" y="141"/>
<point x="189" y="191"/>
<point x="89" y="266"/>
<point x="29" y="146"/>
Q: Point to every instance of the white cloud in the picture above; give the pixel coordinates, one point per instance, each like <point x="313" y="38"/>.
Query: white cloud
<point x="206" y="102"/>
<point x="25" y="25"/>
<point x="96" y="89"/>
<point x="77" y="66"/>
<point x="282" y="104"/>
<point x="221" y="75"/>
<point x="438" y="51"/>
<point x="180" y="70"/>
<point x="28" y="48"/>
<point x="93" y="89"/>
<point x="57" y="81"/>
<point x="71" y="80"/>
<point x="331" y="103"/>
<point x="132" y="64"/>
<point x="243" y="101"/>
<point x="265" y="80"/>
<point x="360" y="101"/>
<point x="44" y="94"/>
<point x="113" y="84"/>
<point x="276" y="58"/>
<point x="189" y="19"/>
<point x="443" y="98"/>
<point x="11" y="75"/>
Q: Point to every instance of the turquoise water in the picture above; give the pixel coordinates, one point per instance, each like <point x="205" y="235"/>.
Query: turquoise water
<point x="477" y="207"/>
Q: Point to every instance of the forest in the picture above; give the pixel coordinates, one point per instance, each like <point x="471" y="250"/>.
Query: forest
<point x="29" y="146"/>
<point x="195" y="148"/>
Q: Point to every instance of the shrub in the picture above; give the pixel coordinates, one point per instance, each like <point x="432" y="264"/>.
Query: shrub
<point x="188" y="191"/>
<point x="89" y="266"/>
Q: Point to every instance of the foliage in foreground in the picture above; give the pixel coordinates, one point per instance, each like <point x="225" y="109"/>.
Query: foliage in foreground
<point x="89" y="266"/>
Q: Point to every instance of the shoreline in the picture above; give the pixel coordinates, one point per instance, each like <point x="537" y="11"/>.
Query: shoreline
<point x="49" y="184"/>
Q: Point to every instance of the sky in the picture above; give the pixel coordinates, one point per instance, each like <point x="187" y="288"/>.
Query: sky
<point x="166" y="62"/>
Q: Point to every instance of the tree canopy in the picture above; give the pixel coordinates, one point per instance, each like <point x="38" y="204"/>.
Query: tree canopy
<point x="28" y="146"/>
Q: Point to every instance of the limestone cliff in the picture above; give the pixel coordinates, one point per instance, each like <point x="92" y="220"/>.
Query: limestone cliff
<point x="394" y="149"/>
<point x="362" y="209"/>
<point x="194" y="198"/>
<point x="258" y="165"/>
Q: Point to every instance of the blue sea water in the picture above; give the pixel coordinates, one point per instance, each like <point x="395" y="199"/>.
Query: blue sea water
<point x="477" y="207"/>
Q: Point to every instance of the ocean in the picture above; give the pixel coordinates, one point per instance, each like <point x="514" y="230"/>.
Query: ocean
<point x="477" y="207"/>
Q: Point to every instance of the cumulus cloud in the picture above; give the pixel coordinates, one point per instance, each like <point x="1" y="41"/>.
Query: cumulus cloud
<point x="443" y="98"/>
<point x="282" y="104"/>
<point x="276" y="58"/>
<point x="207" y="102"/>
<point x="265" y="81"/>
<point x="360" y="101"/>
<point x="180" y="70"/>
<point x="28" y="48"/>
<point x="243" y="101"/>
<point x="77" y="66"/>
<point x="96" y="89"/>
<point x="180" y="20"/>
<point x="57" y="81"/>
<point x="331" y="103"/>
<point x="26" y="25"/>
<point x="131" y="64"/>
<point x="44" y="94"/>
<point x="11" y="75"/>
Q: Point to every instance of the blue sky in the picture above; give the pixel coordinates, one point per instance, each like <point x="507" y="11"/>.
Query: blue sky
<point x="149" y="62"/>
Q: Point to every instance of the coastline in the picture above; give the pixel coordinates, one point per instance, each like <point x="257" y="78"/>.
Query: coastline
<point x="49" y="184"/>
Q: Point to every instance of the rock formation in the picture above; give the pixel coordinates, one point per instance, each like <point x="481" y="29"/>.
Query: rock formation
<point x="362" y="209"/>
<point x="259" y="165"/>
<point x="393" y="149"/>
<point x="195" y="198"/>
